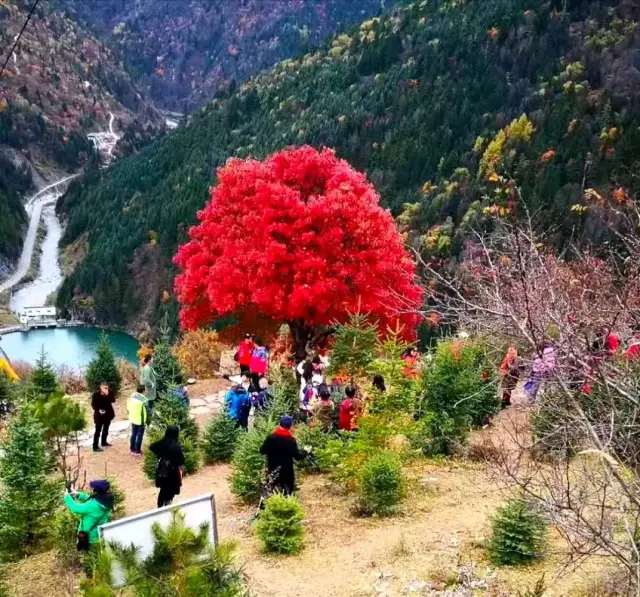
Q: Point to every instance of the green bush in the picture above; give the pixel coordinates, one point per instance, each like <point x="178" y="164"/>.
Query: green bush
<point x="459" y="392"/>
<point x="183" y="562"/>
<point x="441" y="434"/>
<point x="279" y="526"/>
<point x="103" y="368"/>
<point x="27" y="498"/>
<point x="64" y="532"/>
<point x="518" y="534"/>
<point x="247" y="479"/>
<point x="165" y="363"/>
<point x="382" y="485"/>
<point x="42" y="383"/>
<point x="354" y="348"/>
<point x="220" y="439"/>
<point x="286" y="396"/>
<point x="310" y="435"/>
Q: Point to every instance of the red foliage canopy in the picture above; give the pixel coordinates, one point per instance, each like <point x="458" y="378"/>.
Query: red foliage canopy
<point x="299" y="238"/>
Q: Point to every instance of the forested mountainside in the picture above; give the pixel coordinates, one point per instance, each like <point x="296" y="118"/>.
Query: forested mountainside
<point x="426" y="100"/>
<point x="59" y="84"/>
<point x="183" y="52"/>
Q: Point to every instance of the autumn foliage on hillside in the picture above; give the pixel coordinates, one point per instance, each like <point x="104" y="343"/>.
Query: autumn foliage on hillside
<point x="300" y="238"/>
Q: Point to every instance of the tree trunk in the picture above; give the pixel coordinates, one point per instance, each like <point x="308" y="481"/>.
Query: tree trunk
<point x="301" y="334"/>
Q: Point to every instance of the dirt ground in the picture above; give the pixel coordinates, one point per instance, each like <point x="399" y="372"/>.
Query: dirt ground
<point x="439" y="533"/>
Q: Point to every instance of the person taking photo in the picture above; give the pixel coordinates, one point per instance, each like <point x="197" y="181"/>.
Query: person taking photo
<point x="94" y="510"/>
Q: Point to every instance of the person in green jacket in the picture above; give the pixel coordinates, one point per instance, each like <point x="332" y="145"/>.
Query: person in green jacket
<point x="94" y="510"/>
<point x="149" y="380"/>
<point x="138" y="416"/>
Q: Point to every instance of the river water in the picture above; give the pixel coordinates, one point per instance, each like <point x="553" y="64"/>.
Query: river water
<point x="34" y="294"/>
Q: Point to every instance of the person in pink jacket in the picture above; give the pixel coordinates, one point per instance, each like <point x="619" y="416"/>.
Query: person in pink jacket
<point x="259" y="362"/>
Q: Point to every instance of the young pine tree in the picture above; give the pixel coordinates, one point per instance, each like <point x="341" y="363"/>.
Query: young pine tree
<point x="247" y="479"/>
<point x="103" y="368"/>
<point x="183" y="562"/>
<point x="28" y="498"/>
<point x="355" y="344"/>
<point x="518" y="534"/>
<point x="43" y="379"/>
<point x="279" y="527"/>
<point x="220" y="439"/>
<point x="165" y="364"/>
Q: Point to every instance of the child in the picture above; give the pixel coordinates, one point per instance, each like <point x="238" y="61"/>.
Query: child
<point x="323" y="410"/>
<point x="350" y="410"/>
<point x="138" y="415"/>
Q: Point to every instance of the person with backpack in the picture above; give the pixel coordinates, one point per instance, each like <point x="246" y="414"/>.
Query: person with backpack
<point x="323" y="410"/>
<point x="169" y="467"/>
<point x="238" y="404"/>
<point x="261" y="400"/>
<point x="244" y="353"/>
<point x="102" y="402"/>
<point x="259" y="363"/>
<point x="93" y="509"/>
<point x="138" y="416"/>
<point x="281" y="450"/>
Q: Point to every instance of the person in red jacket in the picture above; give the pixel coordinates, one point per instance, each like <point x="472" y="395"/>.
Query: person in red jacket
<point x="350" y="410"/>
<point x="243" y="356"/>
<point x="633" y="351"/>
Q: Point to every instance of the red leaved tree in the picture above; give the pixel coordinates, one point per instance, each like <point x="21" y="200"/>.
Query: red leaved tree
<point x="300" y="238"/>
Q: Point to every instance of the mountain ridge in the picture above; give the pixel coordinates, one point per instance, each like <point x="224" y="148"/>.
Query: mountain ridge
<point x="415" y="99"/>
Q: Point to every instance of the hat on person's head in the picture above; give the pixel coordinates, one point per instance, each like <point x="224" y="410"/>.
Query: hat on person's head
<point x="286" y="422"/>
<point x="100" y="485"/>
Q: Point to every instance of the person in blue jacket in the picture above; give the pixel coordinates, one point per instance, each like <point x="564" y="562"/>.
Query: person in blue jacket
<point x="238" y="405"/>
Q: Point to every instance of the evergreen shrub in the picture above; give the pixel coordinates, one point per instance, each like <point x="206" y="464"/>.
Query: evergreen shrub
<point x="42" y="383"/>
<point x="183" y="562"/>
<point x="459" y="392"/>
<point x="103" y="367"/>
<point x="220" y="437"/>
<point x="279" y="526"/>
<point x="165" y="363"/>
<point x="518" y="534"/>
<point x="382" y="485"/>
<point x="28" y="497"/>
<point x="247" y="479"/>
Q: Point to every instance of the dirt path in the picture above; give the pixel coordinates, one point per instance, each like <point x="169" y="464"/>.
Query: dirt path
<point x="438" y="535"/>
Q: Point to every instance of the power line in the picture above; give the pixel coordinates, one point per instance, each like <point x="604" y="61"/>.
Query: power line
<point x="15" y="43"/>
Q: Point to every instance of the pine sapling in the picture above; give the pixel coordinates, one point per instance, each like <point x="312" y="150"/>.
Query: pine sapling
<point x="279" y="526"/>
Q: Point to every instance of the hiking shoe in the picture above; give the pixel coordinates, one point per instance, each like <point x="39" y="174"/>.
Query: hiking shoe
<point x="96" y="449"/>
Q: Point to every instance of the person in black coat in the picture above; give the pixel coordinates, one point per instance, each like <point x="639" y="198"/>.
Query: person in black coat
<point x="170" y="463"/>
<point x="102" y="404"/>
<point x="281" y="449"/>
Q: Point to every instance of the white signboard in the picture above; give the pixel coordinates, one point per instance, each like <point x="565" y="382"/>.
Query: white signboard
<point x="136" y="529"/>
